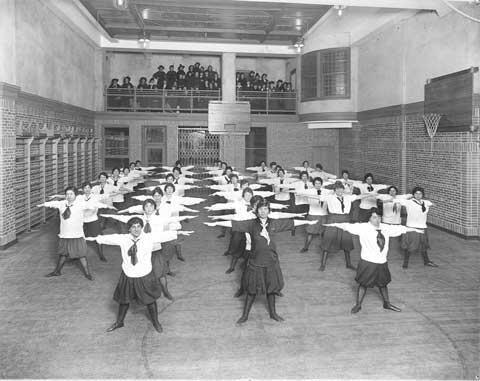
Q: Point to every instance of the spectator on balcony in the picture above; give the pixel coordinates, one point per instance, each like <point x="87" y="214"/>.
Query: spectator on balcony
<point x="113" y="99"/>
<point x="190" y="69"/>
<point x="142" y="100"/>
<point x="189" y="79"/>
<point x="153" y="101"/>
<point x="171" y="76"/>
<point x="160" y="77"/>
<point x="242" y="80"/>
<point x="271" y="86"/>
<point x="217" y="79"/>
<point x="180" y="71"/>
<point x="264" y="80"/>
<point x="181" y="82"/>
<point x="196" y="80"/>
<point x="210" y="72"/>
<point x="127" y="98"/>
<point x="251" y="76"/>
<point x="196" y="67"/>
<point x="278" y="86"/>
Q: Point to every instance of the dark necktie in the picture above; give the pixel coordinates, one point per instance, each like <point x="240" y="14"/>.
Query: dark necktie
<point x="422" y="204"/>
<point x="319" y="192"/>
<point x="341" y="202"/>
<point x="228" y="180"/>
<point x="67" y="213"/>
<point x="147" y="228"/>
<point x="176" y="181"/>
<point x="370" y="188"/>
<point x="169" y="202"/>
<point x="380" y="239"/>
<point x="132" y="252"/>
<point x="157" y="212"/>
<point x="263" y="169"/>
<point x="281" y="181"/>
<point x="115" y="182"/>
<point x="102" y="191"/>
<point x="306" y="186"/>
<point x="236" y="189"/>
<point x="395" y="207"/>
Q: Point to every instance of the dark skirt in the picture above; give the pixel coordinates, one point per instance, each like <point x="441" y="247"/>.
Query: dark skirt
<point x="263" y="280"/>
<point x="92" y="229"/>
<point x="169" y="250"/>
<point x="318" y="228"/>
<point x="371" y="274"/>
<point x="335" y="239"/>
<point x="72" y="247"/>
<point x="355" y="211"/>
<point x="144" y="290"/>
<point x="236" y="248"/>
<point x="413" y="241"/>
<point x="159" y="264"/>
<point x="363" y="215"/>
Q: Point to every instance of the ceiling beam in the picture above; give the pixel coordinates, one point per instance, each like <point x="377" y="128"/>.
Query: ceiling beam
<point x="211" y="4"/>
<point x="120" y="26"/>
<point x="132" y="8"/>
<point x="398" y="4"/>
<point x="276" y="16"/>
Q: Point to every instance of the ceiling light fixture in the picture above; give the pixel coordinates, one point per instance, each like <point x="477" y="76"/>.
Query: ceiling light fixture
<point x="339" y="9"/>
<point x="120" y="4"/>
<point x="298" y="24"/>
<point x="299" y="44"/>
<point x="145" y="13"/>
<point x="144" y="40"/>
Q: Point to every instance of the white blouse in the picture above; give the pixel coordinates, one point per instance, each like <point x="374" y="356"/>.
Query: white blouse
<point x="416" y="218"/>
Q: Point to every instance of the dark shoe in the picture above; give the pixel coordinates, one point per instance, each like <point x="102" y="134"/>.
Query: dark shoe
<point x="242" y="320"/>
<point x="389" y="306"/>
<point x="158" y="327"/>
<point x="404" y="266"/>
<point x="102" y="258"/>
<point x="226" y="253"/>
<point x="303" y="250"/>
<point x="230" y="270"/>
<point x="350" y="266"/>
<point x="114" y="326"/>
<point x="431" y="264"/>
<point x="280" y="294"/>
<point x="356" y="308"/>
<point x="54" y="273"/>
<point x="89" y="276"/>
<point x="276" y="317"/>
<point x="167" y="294"/>
<point x="180" y="258"/>
<point x="322" y="268"/>
<point x="172" y="274"/>
<point x="221" y="235"/>
<point x="239" y="293"/>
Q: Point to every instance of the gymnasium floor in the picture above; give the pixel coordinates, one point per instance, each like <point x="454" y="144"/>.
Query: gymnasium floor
<point x="55" y="327"/>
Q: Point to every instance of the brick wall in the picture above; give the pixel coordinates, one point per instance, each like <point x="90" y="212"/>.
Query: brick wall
<point x="449" y="170"/>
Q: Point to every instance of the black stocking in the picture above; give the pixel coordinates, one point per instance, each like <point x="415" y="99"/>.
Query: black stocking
<point x="308" y="241"/>
<point x="164" y="285"/>
<point x="361" y="291"/>
<point x="233" y="263"/>
<point x="271" y="308"/>
<point x="58" y="268"/>
<point x="246" y="308"/>
<point x="84" y="263"/>
<point x="153" y="312"/>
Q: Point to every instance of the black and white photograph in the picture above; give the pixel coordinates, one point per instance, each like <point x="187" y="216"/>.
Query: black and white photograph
<point x="240" y="189"/>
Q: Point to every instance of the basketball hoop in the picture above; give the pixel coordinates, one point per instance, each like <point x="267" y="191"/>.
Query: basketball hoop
<point x="431" y="122"/>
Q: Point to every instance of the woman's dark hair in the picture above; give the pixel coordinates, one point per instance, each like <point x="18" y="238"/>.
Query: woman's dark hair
<point x="85" y="183"/>
<point x="131" y="163"/>
<point x="169" y="175"/>
<point x="280" y="170"/>
<point x="264" y="162"/>
<point x="418" y="189"/>
<point x="305" y="161"/>
<point x="157" y="190"/>
<point x="148" y="201"/>
<point x="319" y="166"/>
<point x="371" y="211"/>
<point x="247" y="190"/>
<point x="263" y="203"/>
<point x="304" y="173"/>
<point x="177" y="169"/>
<point x="115" y="168"/>
<point x="178" y="163"/>
<point x="134" y="220"/>
<point x="169" y="185"/>
<point x="317" y="179"/>
<point x="345" y="171"/>
<point x="338" y="185"/>
<point x="226" y="169"/>
<point x="103" y="174"/>
<point x="244" y="181"/>
<point x="392" y="187"/>
<point x="273" y="163"/>
<point x="367" y="175"/>
<point x="233" y="175"/>
<point x="72" y="188"/>
<point x="255" y="200"/>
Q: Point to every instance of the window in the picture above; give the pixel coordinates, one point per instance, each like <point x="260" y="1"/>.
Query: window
<point x="326" y="74"/>
<point x="116" y="147"/>
<point x="255" y="146"/>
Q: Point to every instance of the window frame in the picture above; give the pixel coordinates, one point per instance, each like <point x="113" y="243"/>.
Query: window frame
<point x="320" y="78"/>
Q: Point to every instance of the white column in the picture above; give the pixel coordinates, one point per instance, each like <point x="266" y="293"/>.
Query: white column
<point x="228" y="77"/>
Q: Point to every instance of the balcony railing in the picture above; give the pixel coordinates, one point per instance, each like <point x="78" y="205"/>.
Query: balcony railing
<point x="195" y="101"/>
<point x="265" y="102"/>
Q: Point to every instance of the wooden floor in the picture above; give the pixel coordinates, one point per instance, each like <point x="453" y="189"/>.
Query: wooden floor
<point x="55" y="327"/>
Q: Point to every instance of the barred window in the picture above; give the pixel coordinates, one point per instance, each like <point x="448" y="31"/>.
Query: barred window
<point x="326" y="74"/>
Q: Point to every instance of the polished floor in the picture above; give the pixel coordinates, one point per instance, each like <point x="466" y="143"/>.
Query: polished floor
<point x="55" y="327"/>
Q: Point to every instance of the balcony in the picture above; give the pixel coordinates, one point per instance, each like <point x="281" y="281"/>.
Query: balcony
<point x="195" y="101"/>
